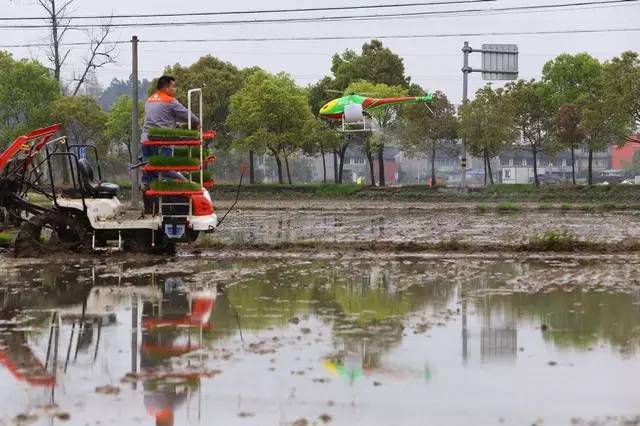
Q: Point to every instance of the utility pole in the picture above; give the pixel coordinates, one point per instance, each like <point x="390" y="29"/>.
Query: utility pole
<point x="499" y="62"/>
<point x="135" y="143"/>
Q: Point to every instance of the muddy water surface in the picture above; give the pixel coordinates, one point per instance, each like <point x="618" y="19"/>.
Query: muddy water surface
<point x="345" y="341"/>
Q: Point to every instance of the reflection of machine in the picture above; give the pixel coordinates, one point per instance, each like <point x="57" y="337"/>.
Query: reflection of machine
<point x="17" y="357"/>
<point x="167" y="332"/>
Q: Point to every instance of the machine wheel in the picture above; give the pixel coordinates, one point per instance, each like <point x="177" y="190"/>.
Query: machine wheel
<point x="52" y="232"/>
<point x="142" y="242"/>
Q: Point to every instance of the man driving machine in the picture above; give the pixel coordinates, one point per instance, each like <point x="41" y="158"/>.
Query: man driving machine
<point x="163" y="110"/>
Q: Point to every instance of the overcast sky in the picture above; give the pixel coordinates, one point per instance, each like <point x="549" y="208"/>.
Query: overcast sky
<point x="434" y="63"/>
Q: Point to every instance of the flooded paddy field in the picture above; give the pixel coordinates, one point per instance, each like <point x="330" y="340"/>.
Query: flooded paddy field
<point x="350" y="340"/>
<point x="273" y="222"/>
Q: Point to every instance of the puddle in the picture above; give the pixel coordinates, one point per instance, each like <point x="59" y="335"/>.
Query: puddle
<point x="344" y="342"/>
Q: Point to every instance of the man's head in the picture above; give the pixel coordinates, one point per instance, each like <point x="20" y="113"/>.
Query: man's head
<point x="167" y="85"/>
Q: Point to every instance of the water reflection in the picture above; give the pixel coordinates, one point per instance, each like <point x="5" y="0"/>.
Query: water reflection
<point x="166" y="333"/>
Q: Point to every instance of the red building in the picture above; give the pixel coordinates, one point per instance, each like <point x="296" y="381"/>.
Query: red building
<point x="622" y="157"/>
<point x="390" y="166"/>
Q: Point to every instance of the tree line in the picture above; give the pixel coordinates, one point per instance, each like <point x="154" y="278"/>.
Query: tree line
<point x="578" y="102"/>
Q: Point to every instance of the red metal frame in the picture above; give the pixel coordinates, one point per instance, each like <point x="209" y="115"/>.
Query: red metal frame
<point x="154" y="193"/>
<point x="18" y="372"/>
<point x="39" y="136"/>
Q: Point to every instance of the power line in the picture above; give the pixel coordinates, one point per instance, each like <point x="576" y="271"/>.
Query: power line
<point x="261" y="11"/>
<point x="338" y="18"/>
<point x="331" y="38"/>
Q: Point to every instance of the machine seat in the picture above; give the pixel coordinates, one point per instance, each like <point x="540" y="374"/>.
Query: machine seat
<point x="91" y="187"/>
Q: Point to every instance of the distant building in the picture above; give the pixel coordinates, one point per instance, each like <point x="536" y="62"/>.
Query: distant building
<point x="516" y="165"/>
<point x="356" y="166"/>
<point x="622" y="157"/>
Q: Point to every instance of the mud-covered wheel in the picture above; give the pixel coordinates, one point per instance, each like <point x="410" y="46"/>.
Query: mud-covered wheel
<point x="52" y="232"/>
<point x="143" y="242"/>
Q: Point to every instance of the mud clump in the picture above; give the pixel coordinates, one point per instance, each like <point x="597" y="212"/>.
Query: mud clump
<point x="25" y="419"/>
<point x="108" y="390"/>
<point x="325" y="418"/>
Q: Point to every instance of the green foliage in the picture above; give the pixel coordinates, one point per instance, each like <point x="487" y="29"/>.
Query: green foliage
<point x="333" y="190"/>
<point x="622" y="82"/>
<point x="573" y="78"/>
<point x="163" y="132"/>
<point x="376" y="64"/>
<point x="83" y="118"/>
<point x="219" y="81"/>
<point x="533" y="109"/>
<point x="606" y="118"/>
<point x="174" y="185"/>
<point x="545" y="206"/>
<point x="487" y="123"/>
<point x="566" y="207"/>
<point x="269" y="114"/>
<point x="319" y="138"/>
<point x="118" y="126"/>
<point x="163" y="160"/>
<point x="482" y="208"/>
<point x="567" y="130"/>
<point x="320" y="93"/>
<point x="427" y="128"/>
<point x="555" y="240"/>
<point x="507" y="207"/>
<point x="26" y="91"/>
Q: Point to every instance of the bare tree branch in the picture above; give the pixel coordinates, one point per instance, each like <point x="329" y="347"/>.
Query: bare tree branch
<point x="45" y="7"/>
<point x="100" y="54"/>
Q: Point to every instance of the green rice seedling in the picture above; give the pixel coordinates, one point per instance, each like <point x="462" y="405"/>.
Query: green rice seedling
<point x="566" y="207"/>
<point x="206" y="176"/>
<point x="174" y="185"/>
<point x="159" y="132"/>
<point x="166" y="161"/>
<point x="555" y="240"/>
<point x="545" y="206"/>
<point x="507" y="207"/>
<point x="191" y="152"/>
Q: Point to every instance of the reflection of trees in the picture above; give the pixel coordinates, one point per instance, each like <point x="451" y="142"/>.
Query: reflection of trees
<point x="580" y="319"/>
<point x="576" y="319"/>
<point x="368" y="313"/>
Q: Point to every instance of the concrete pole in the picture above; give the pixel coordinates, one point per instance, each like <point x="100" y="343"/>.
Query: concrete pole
<point x="135" y="142"/>
<point x="465" y="97"/>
